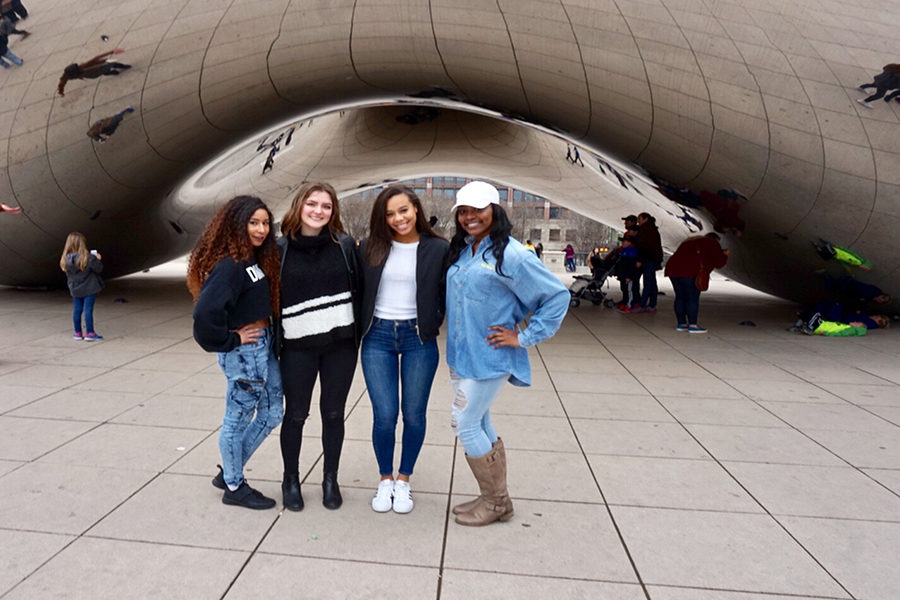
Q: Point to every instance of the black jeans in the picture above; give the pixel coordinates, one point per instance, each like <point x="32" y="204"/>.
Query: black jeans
<point x="687" y="300"/>
<point x="334" y="365"/>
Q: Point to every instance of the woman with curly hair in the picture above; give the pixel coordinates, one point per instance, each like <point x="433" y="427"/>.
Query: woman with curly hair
<point x="493" y="284"/>
<point x="319" y="326"/>
<point x="233" y="275"/>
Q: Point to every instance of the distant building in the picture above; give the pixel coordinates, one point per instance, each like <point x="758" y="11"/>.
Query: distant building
<point x="533" y="217"/>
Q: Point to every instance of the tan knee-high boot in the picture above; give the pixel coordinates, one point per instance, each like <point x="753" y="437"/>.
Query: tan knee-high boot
<point x="467" y="506"/>
<point x="494" y="503"/>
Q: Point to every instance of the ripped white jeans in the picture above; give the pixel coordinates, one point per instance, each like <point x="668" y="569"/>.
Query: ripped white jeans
<point x="470" y="416"/>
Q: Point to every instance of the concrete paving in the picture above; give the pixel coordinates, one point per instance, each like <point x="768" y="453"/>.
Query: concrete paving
<point x="745" y="464"/>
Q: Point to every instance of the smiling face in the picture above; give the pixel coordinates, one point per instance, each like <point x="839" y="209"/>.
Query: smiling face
<point x="258" y="227"/>
<point x="400" y="215"/>
<point x="315" y="213"/>
<point x="476" y="222"/>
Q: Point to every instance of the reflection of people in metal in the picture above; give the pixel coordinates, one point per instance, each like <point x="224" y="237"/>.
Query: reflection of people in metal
<point x="13" y="10"/>
<point x="827" y="251"/>
<point x="270" y="160"/>
<point x="6" y="53"/>
<point x="91" y="69"/>
<point x="888" y="79"/>
<point x="8" y="27"/>
<point x="102" y="129"/>
<point x="576" y="158"/>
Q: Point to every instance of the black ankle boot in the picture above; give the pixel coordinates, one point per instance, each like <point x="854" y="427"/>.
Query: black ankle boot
<point x="290" y="488"/>
<point x="331" y="493"/>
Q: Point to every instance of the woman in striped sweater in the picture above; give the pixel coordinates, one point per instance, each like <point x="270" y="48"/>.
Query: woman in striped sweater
<point x="319" y="331"/>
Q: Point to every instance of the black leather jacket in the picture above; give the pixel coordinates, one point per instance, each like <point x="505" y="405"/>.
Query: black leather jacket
<point x="350" y="251"/>
<point x="430" y="287"/>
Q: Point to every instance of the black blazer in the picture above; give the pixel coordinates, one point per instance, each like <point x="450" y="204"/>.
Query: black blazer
<point x="430" y="286"/>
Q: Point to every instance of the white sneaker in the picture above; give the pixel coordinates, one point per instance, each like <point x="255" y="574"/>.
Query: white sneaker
<point x="382" y="500"/>
<point x="403" y="502"/>
<point x="863" y="102"/>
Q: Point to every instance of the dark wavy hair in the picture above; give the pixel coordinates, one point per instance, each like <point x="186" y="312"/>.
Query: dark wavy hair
<point x="378" y="244"/>
<point x="501" y="229"/>
<point x="225" y="236"/>
<point x="291" y="224"/>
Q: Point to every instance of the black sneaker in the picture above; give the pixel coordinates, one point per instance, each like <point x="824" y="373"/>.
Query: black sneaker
<point x="247" y="497"/>
<point x="219" y="480"/>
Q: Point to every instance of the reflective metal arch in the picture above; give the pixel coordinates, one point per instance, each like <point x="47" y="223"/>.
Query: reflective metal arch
<point x="747" y="95"/>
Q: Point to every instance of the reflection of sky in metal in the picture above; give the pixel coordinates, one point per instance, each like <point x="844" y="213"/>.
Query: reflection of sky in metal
<point x="456" y="143"/>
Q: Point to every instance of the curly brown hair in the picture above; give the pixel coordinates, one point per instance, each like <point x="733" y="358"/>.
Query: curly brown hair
<point x="226" y="236"/>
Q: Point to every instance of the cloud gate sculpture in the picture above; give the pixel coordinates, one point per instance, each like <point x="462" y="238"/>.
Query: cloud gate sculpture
<point x="738" y="116"/>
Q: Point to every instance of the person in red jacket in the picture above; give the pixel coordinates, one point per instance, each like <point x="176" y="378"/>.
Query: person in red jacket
<point x="694" y="254"/>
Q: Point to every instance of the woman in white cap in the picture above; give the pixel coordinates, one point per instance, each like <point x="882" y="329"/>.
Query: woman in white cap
<point x="493" y="284"/>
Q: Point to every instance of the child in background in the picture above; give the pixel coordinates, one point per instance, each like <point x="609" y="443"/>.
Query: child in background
<point x="626" y="272"/>
<point x="82" y="269"/>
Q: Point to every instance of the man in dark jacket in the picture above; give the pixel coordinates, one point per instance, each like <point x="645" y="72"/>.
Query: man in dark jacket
<point x="650" y="257"/>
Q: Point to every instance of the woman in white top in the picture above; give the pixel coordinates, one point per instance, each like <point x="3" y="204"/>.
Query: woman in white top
<point x="402" y="311"/>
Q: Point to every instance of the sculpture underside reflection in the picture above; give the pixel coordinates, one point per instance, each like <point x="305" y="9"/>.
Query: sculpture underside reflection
<point x="739" y="118"/>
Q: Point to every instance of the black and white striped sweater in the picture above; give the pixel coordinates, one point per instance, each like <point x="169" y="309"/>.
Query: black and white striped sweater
<point x="316" y="303"/>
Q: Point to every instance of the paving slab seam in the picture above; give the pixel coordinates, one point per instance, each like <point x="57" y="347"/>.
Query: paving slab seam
<point x="736" y="481"/>
<point x="40" y="566"/>
<point x="551" y="577"/>
<point x="590" y="468"/>
<point x="761" y="593"/>
<point x="768" y="410"/>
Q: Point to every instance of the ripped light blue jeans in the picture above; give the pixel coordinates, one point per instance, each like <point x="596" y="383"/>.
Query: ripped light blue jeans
<point x="253" y="404"/>
<point x="470" y="417"/>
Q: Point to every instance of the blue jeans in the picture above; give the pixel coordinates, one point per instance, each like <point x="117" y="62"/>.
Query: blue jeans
<point x="253" y="404"/>
<point x="687" y="300"/>
<point x="12" y="57"/>
<point x="83" y="305"/>
<point x="394" y="361"/>
<point x="651" y="291"/>
<point x="470" y="418"/>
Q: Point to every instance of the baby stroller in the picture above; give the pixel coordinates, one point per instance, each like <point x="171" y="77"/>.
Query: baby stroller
<point x="590" y="287"/>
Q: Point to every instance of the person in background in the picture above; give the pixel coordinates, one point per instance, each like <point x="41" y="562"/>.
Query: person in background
<point x="530" y="246"/>
<point x="233" y="277"/>
<point x="539" y="250"/>
<point x="319" y="327"/>
<point x="694" y="253"/>
<point x="570" y="258"/>
<point x="493" y="285"/>
<point x="102" y="129"/>
<point x="626" y="272"/>
<point x="82" y="269"/>
<point x="402" y="311"/>
<point x="650" y="256"/>
<point x="91" y="69"/>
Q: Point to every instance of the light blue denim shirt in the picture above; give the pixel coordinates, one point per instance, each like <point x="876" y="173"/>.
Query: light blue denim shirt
<point x="478" y="297"/>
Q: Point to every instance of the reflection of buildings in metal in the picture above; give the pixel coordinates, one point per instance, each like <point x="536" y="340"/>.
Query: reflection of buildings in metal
<point x="702" y="99"/>
<point x="533" y="217"/>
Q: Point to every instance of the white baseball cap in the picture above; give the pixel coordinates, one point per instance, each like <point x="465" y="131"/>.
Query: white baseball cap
<point x="476" y="194"/>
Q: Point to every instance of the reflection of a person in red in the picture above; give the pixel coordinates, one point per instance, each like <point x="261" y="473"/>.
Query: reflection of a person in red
<point x="723" y="208"/>
<point x="91" y="69"/>
<point x="10" y="209"/>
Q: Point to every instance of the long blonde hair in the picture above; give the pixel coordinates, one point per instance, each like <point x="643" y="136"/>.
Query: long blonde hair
<point x="76" y="243"/>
